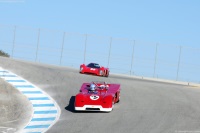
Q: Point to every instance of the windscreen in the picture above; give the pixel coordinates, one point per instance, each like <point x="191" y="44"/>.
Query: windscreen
<point x="93" y="65"/>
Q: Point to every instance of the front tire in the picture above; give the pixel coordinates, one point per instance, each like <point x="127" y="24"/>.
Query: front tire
<point x="113" y="104"/>
<point x="107" y="74"/>
<point x="101" y="73"/>
<point x="81" y="70"/>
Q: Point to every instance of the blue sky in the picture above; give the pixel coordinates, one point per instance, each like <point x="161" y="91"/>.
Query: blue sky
<point x="166" y="34"/>
<point x="167" y="22"/>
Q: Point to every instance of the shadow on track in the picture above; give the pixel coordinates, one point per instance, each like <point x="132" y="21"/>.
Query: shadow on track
<point x="70" y="106"/>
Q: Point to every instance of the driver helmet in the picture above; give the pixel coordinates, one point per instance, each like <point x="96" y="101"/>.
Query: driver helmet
<point x="92" y="87"/>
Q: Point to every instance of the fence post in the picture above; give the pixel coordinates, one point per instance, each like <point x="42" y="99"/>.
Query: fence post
<point x="38" y="42"/>
<point x="155" y="60"/>
<point x="63" y="42"/>
<point x="85" y="48"/>
<point x="178" y="63"/>
<point x="109" y="52"/>
<point x="132" y="56"/>
<point x="14" y="41"/>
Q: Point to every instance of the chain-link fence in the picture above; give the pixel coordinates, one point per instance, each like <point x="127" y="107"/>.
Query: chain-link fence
<point x="122" y="56"/>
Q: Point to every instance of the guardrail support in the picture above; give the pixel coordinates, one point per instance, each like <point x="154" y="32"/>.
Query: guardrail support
<point x="38" y="42"/>
<point x="85" y="48"/>
<point x="109" y="52"/>
<point x="132" y="57"/>
<point x="155" y="60"/>
<point x="178" y="63"/>
<point x="14" y="41"/>
<point x="63" y="42"/>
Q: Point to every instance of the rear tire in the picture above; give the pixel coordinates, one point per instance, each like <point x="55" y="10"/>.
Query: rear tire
<point x="107" y="74"/>
<point x="118" y="98"/>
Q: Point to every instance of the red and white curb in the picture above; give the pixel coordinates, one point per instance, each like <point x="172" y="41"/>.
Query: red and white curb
<point x="46" y="111"/>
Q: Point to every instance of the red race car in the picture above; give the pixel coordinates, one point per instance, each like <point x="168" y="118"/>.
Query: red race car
<point x="94" y="68"/>
<point x="97" y="96"/>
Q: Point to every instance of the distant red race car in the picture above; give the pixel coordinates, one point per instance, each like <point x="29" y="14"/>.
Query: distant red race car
<point x="97" y="96"/>
<point x="94" y="68"/>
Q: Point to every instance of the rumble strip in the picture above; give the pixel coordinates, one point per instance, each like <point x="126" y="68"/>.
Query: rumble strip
<point x="45" y="113"/>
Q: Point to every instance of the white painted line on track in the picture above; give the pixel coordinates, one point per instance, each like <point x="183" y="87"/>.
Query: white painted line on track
<point x="41" y="102"/>
<point x="44" y="108"/>
<point x="44" y="115"/>
<point x="33" y="95"/>
<point x="46" y="111"/>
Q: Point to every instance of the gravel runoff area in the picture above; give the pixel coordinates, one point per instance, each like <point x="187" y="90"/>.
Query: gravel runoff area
<point x="15" y="109"/>
<point x="145" y="107"/>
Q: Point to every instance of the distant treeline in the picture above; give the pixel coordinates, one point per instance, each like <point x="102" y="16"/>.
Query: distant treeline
<point x="2" y="53"/>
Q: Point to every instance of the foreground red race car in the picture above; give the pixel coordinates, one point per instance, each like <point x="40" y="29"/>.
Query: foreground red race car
<point x="94" y="68"/>
<point x="97" y="96"/>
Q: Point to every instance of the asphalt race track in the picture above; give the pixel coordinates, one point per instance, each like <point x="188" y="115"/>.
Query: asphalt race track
<point x="145" y="106"/>
<point x="15" y="109"/>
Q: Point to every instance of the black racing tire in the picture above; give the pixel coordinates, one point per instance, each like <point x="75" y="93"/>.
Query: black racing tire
<point x="113" y="104"/>
<point x="81" y="69"/>
<point x="101" y="73"/>
<point x="119" y="98"/>
<point x="107" y="74"/>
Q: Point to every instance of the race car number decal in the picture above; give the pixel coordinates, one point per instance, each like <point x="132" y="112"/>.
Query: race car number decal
<point x="103" y="86"/>
<point x="94" y="97"/>
<point x="92" y="69"/>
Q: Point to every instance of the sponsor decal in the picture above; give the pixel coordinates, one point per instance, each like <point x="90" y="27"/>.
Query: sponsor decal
<point x="92" y="69"/>
<point x="94" y="97"/>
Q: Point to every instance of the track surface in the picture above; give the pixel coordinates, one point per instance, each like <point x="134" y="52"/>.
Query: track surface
<point x="145" y="106"/>
<point x="15" y="109"/>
